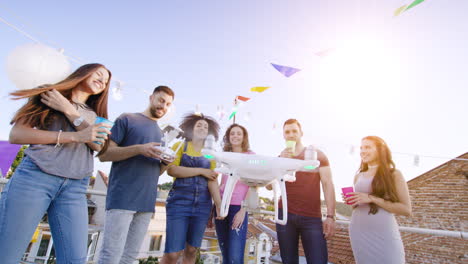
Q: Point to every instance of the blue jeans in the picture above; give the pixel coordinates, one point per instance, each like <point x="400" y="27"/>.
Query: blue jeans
<point x="124" y="232"/>
<point x="31" y="193"/>
<point x="313" y="241"/>
<point x="232" y="242"/>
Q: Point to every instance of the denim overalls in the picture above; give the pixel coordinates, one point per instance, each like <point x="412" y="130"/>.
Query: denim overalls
<point x="188" y="207"/>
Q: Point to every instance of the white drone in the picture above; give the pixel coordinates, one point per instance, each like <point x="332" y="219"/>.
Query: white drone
<point x="170" y="134"/>
<point x="256" y="171"/>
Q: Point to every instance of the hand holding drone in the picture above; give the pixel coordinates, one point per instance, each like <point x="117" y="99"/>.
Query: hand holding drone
<point x="256" y="171"/>
<point x="170" y="133"/>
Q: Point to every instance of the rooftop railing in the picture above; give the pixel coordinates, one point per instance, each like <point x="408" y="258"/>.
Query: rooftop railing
<point x="426" y="231"/>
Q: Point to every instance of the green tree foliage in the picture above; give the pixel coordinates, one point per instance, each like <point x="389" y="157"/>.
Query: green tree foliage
<point x="149" y="260"/>
<point x="342" y="208"/>
<point x="51" y="260"/>
<point x="17" y="161"/>
<point x="199" y="259"/>
<point x="165" y="186"/>
<point x="266" y="200"/>
<point x="269" y="206"/>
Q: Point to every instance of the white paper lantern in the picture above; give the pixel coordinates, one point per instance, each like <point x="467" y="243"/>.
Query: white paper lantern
<point x="117" y="90"/>
<point x="33" y="64"/>
<point x="247" y="116"/>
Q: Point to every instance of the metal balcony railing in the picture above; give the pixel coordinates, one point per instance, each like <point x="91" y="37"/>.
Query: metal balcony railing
<point x="435" y="232"/>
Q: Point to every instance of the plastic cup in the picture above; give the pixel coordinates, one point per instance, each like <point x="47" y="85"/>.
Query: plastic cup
<point x="291" y="145"/>
<point x="347" y="190"/>
<point x="105" y="121"/>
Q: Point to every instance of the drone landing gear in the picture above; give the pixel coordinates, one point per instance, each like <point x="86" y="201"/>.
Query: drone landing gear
<point x="226" y="201"/>
<point x="282" y="187"/>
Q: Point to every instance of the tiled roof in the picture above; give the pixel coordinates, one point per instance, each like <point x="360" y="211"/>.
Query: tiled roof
<point x="439" y="200"/>
<point x="439" y="197"/>
<point x="339" y="246"/>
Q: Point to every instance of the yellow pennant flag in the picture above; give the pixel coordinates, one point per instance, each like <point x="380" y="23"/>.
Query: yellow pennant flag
<point x="35" y="235"/>
<point x="399" y="10"/>
<point x="259" y="89"/>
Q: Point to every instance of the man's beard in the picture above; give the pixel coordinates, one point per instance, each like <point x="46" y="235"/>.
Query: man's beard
<point x="154" y="112"/>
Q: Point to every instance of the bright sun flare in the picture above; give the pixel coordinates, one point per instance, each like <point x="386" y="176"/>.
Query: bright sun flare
<point x="360" y="78"/>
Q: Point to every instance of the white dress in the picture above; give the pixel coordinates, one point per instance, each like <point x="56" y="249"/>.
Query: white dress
<point x="374" y="238"/>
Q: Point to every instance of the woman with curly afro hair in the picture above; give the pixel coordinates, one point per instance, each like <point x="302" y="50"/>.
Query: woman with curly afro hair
<point x="189" y="204"/>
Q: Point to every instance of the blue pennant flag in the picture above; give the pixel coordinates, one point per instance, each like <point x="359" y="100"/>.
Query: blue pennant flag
<point x="285" y="70"/>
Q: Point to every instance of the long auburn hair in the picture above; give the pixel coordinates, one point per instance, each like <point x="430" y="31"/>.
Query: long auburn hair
<point x="245" y="140"/>
<point x="188" y="123"/>
<point x="37" y="114"/>
<point x="383" y="184"/>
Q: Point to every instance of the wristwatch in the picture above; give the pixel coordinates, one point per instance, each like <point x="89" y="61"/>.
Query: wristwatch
<point x="332" y="217"/>
<point x="77" y="122"/>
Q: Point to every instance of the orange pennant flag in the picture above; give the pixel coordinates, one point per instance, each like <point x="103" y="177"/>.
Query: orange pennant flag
<point x="242" y="98"/>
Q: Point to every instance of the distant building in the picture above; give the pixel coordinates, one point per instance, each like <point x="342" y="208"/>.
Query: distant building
<point x="259" y="243"/>
<point x="257" y="248"/>
<point x="155" y="239"/>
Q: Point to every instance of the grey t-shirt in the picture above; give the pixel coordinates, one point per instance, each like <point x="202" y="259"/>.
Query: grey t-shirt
<point x="70" y="160"/>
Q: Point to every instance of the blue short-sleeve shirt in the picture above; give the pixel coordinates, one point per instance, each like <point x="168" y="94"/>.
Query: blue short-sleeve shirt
<point x="133" y="182"/>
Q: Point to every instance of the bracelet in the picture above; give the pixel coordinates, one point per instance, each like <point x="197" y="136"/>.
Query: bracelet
<point x="58" y="139"/>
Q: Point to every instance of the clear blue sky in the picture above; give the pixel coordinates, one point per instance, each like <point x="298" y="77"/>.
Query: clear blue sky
<point x="401" y="78"/>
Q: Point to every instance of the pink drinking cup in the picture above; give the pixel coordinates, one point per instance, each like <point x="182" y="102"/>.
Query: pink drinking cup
<point x="347" y="190"/>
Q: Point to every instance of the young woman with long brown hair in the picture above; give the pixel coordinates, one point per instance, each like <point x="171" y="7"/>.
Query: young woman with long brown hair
<point x="232" y="230"/>
<point x="58" y="123"/>
<point x="380" y="193"/>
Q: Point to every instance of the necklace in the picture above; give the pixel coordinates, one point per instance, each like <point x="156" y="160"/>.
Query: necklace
<point x="372" y="167"/>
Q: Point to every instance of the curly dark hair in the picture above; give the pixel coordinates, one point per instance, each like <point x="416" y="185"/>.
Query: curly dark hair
<point x="189" y="121"/>
<point x="245" y="140"/>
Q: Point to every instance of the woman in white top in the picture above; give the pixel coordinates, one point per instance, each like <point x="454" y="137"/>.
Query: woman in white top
<point x="380" y="193"/>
